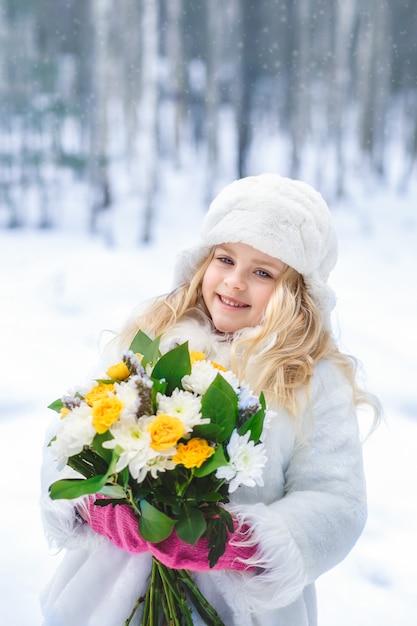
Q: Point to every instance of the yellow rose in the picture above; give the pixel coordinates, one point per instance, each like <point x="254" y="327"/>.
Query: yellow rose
<point x="165" y="432"/>
<point x="98" y="392"/>
<point x="120" y="371"/>
<point x="105" y="413"/>
<point x="193" y="453"/>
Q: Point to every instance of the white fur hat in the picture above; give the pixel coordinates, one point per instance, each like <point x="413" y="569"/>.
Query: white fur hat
<point x="285" y="218"/>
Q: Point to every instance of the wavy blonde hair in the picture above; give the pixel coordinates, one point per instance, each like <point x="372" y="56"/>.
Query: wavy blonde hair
<point x="279" y="356"/>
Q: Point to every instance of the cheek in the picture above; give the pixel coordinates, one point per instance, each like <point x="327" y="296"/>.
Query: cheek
<point x="209" y="279"/>
<point x="264" y="298"/>
<point x="207" y="284"/>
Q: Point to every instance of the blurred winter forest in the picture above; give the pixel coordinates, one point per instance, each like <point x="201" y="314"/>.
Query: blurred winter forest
<point x="104" y="95"/>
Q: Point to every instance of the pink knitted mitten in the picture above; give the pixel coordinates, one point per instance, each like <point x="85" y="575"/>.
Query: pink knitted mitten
<point x="119" y="524"/>
<point x="177" y="554"/>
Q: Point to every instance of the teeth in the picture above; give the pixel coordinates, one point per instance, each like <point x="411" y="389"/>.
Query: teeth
<point x="226" y="301"/>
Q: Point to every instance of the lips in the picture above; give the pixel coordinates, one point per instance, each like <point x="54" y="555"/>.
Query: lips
<point x="232" y="302"/>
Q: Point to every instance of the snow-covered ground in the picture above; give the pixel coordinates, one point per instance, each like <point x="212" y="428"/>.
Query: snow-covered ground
<point x="59" y="290"/>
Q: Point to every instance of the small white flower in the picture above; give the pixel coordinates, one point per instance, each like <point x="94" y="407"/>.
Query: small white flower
<point x="184" y="405"/>
<point x="128" y="394"/>
<point x="247" y="400"/>
<point x="232" y="379"/>
<point x="246" y="464"/>
<point x="159" y="463"/>
<point x="202" y="375"/>
<point x="133" y="438"/>
<point x="76" y="432"/>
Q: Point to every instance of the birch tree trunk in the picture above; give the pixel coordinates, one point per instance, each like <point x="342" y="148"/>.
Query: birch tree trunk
<point x="149" y="113"/>
<point x="214" y="30"/>
<point x="176" y="72"/>
<point x="299" y="91"/>
<point x="345" y="14"/>
<point x="373" y="81"/>
<point x="99" y="154"/>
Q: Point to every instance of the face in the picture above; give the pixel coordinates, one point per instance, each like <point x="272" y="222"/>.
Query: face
<point x="237" y="285"/>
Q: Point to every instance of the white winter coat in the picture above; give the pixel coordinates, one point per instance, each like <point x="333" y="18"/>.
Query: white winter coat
<point x="305" y="519"/>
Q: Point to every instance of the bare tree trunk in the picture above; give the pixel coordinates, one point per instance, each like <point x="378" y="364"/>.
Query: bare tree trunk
<point x="373" y="81"/>
<point x="176" y="72"/>
<point x="300" y="113"/>
<point x="214" y="29"/>
<point x="381" y="82"/>
<point x="339" y="93"/>
<point x="131" y="72"/>
<point x="149" y="112"/>
<point x="99" y="156"/>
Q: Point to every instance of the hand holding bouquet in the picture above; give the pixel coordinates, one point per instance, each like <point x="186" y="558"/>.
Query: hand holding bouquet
<point x="171" y="436"/>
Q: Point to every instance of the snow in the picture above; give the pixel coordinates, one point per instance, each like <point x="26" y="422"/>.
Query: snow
<point x="60" y="289"/>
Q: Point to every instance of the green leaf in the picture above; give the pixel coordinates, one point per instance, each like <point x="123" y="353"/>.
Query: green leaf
<point x="211" y="432"/>
<point x="113" y="491"/>
<point x="123" y="477"/>
<point x="88" y="463"/>
<point x="147" y="347"/>
<point x="216" y="460"/>
<point x="172" y="367"/>
<point x="97" y="445"/>
<point x="57" y="405"/>
<point x="255" y="425"/>
<point x="74" y="487"/>
<point x="220" y="405"/>
<point x="191" y="525"/>
<point x="217" y="535"/>
<point x="154" y="526"/>
<point x="71" y="488"/>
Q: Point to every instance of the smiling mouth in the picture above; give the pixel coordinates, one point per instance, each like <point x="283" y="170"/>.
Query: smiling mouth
<point x="233" y="303"/>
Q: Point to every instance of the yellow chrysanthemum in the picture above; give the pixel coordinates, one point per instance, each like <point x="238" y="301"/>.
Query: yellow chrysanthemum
<point x="193" y="453"/>
<point x="98" y="392"/>
<point x="200" y="356"/>
<point x="64" y="412"/>
<point x="120" y="371"/>
<point x="165" y="432"/>
<point x="105" y="413"/>
<point x="218" y="366"/>
<point x="196" y="356"/>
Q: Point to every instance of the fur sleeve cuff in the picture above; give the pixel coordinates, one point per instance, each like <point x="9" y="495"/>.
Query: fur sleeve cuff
<point x="281" y="574"/>
<point x="63" y="527"/>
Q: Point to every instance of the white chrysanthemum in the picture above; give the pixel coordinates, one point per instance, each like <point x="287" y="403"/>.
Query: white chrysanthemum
<point x="127" y="392"/>
<point x="76" y="432"/>
<point x="184" y="405"/>
<point x="159" y="463"/>
<point x="201" y="377"/>
<point x="232" y="379"/>
<point x="133" y="438"/>
<point x="246" y="464"/>
<point x="247" y="400"/>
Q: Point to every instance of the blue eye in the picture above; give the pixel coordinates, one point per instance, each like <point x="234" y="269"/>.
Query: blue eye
<point x="225" y="259"/>
<point x="263" y="274"/>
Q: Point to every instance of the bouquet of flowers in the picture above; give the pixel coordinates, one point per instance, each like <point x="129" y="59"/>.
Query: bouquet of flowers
<point x="172" y="436"/>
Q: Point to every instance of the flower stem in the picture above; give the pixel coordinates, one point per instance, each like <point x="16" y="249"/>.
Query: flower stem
<point x="204" y="608"/>
<point x="167" y="599"/>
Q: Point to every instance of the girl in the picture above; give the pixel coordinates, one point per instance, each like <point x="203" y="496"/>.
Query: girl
<point x="253" y="296"/>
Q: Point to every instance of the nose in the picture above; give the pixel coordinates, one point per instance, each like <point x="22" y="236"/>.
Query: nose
<point x="235" y="279"/>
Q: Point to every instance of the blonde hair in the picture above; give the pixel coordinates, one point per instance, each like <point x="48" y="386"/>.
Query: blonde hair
<point x="277" y="357"/>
